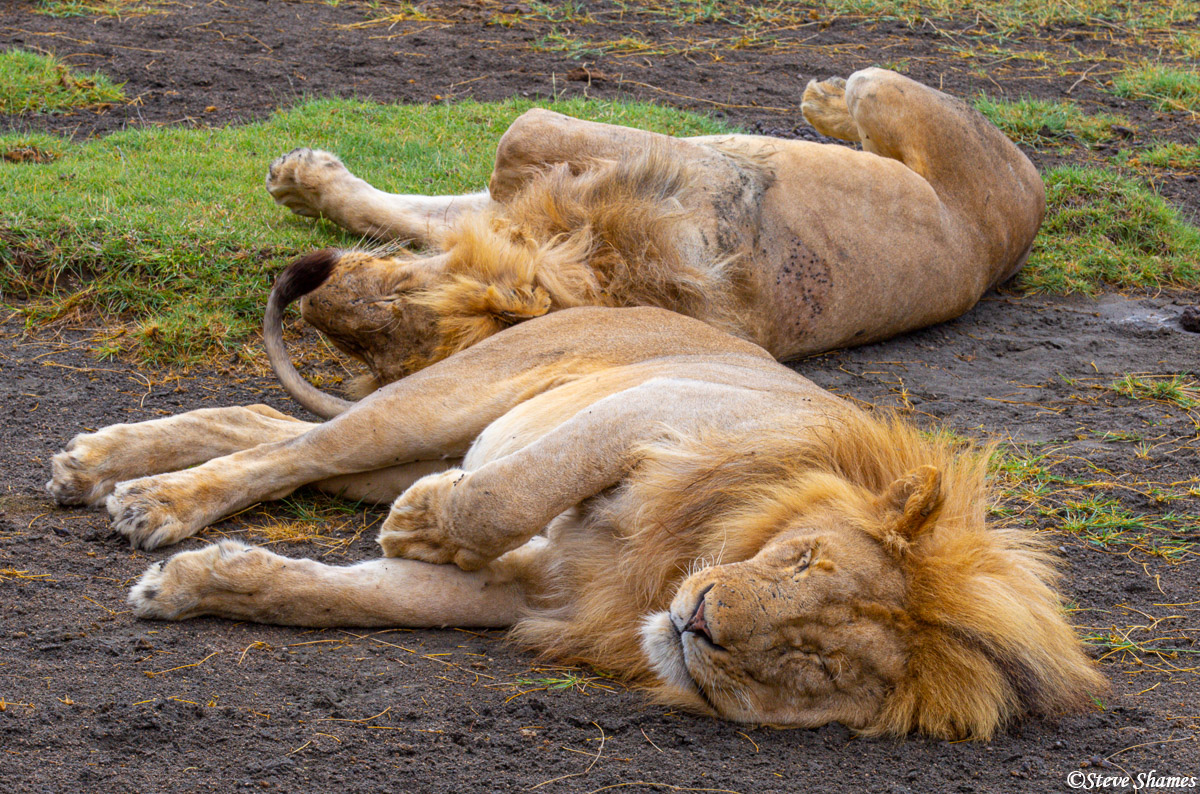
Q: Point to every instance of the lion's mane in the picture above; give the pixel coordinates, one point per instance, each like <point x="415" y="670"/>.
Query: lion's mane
<point x="986" y="637"/>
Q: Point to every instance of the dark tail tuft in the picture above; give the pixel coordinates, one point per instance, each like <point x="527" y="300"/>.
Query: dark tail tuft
<point x="305" y="275"/>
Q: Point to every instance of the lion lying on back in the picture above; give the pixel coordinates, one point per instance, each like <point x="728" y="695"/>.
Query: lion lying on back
<point x="636" y="490"/>
<point x="798" y="247"/>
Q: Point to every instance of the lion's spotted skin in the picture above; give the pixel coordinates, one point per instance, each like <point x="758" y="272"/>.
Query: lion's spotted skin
<point x="796" y="246"/>
<point x="595" y="457"/>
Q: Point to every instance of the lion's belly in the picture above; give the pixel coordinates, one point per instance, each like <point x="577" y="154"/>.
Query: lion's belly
<point x="856" y="248"/>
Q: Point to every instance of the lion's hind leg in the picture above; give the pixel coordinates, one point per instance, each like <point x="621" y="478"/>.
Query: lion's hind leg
<point x="240" y="582"/>
<point x="87" y="470"/>
<point x="978" y="174"/>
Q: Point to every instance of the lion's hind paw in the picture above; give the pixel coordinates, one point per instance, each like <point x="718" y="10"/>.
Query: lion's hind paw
<point x="173" y="589"/>
<point x="824" y="107"/>
<point x="72" y="484"/>
<point x="82" y="474"/>
<point x="140" y="512"/>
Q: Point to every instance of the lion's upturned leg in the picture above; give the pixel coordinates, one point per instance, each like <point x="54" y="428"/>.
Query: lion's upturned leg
<point x="241" y="582"/>
<point x="975" y="170"/>
<point x="316" y="184"/>
<point x="824" y="107"/>
<point x="540" y="138"/>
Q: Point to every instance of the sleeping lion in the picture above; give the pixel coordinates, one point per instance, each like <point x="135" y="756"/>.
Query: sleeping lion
<point x="636" y="490"/>
<point x="798" y="247"/>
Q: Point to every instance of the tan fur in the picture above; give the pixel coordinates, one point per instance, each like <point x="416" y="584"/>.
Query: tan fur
<point x="798" y="247"/>
<point x="633" y="489"/>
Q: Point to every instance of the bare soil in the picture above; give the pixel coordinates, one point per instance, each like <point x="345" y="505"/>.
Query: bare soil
<point x="93" y="700"/>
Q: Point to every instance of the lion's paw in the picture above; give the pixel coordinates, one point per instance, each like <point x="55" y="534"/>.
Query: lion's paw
<point x="173" y="589"/>
<point x="298" y="179"/>
<point x="418" y="527"/>
<point x="824" y="106"/>
<point x="73" y="481"/>
<point x="146" y="512"/>
<point x="83" y="473"/>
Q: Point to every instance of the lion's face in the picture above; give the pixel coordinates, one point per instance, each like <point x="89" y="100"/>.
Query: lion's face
<point x="365" y="307"/>
<point x="804" y="633"/>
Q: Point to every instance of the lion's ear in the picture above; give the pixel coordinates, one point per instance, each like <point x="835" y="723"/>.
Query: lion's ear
<point x="910" y="506"/>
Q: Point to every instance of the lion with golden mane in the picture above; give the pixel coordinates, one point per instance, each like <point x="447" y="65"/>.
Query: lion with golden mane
<point x="640" y="491"/>
<point x="798" y="247"/>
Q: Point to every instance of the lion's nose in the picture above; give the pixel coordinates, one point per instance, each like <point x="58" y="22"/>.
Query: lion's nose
<point x="697" y="623"/>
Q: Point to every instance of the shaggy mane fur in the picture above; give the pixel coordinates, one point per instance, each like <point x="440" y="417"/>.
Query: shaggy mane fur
<point x="986" y="637"/>
<point x="612" y="234"/>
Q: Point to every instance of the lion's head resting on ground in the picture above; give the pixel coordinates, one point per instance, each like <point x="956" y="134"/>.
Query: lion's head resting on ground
<point x="862" y="585"/>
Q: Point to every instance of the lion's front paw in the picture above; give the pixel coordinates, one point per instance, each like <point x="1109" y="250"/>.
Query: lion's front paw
<point x="418" y="526"/>
<point x="83" y="472"/>
<point x="298" y="179"/>
<point x="824" y="106"/>
<point x="174" y="589"/>
<point x="149" y="512"/>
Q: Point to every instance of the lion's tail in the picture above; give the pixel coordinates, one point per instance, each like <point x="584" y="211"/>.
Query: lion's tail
<point x="298" y="279"/>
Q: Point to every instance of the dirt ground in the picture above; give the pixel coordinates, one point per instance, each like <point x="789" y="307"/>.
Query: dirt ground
<point x="93" y="700"/>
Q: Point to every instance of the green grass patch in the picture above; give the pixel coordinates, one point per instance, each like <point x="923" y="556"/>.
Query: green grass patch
<point x="172" y="230"/>
<point x="1103" y="228"/>
<point x="32" y="83"/>
<point x="1102" y="521"/>
<point x="1175" y="156"/>
<point x="1039" y="122"/>
<point x="1036" y="489"/>
<point x="1010" y="16"/>
<point x="1178" y="389"/>
<point x="757" y="25"/>
<point x="99" y="8"/>
<point x="1166" y="87"/>
<point x="1188" y="43"/>
<point x="1003" y="15"/>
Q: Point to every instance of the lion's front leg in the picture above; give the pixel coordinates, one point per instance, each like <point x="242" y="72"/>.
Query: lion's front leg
<point x="233" y="580"/>
<point x="90" y="466"/>
<point x="316" y="184"/>
<point x="471" y="517"/>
